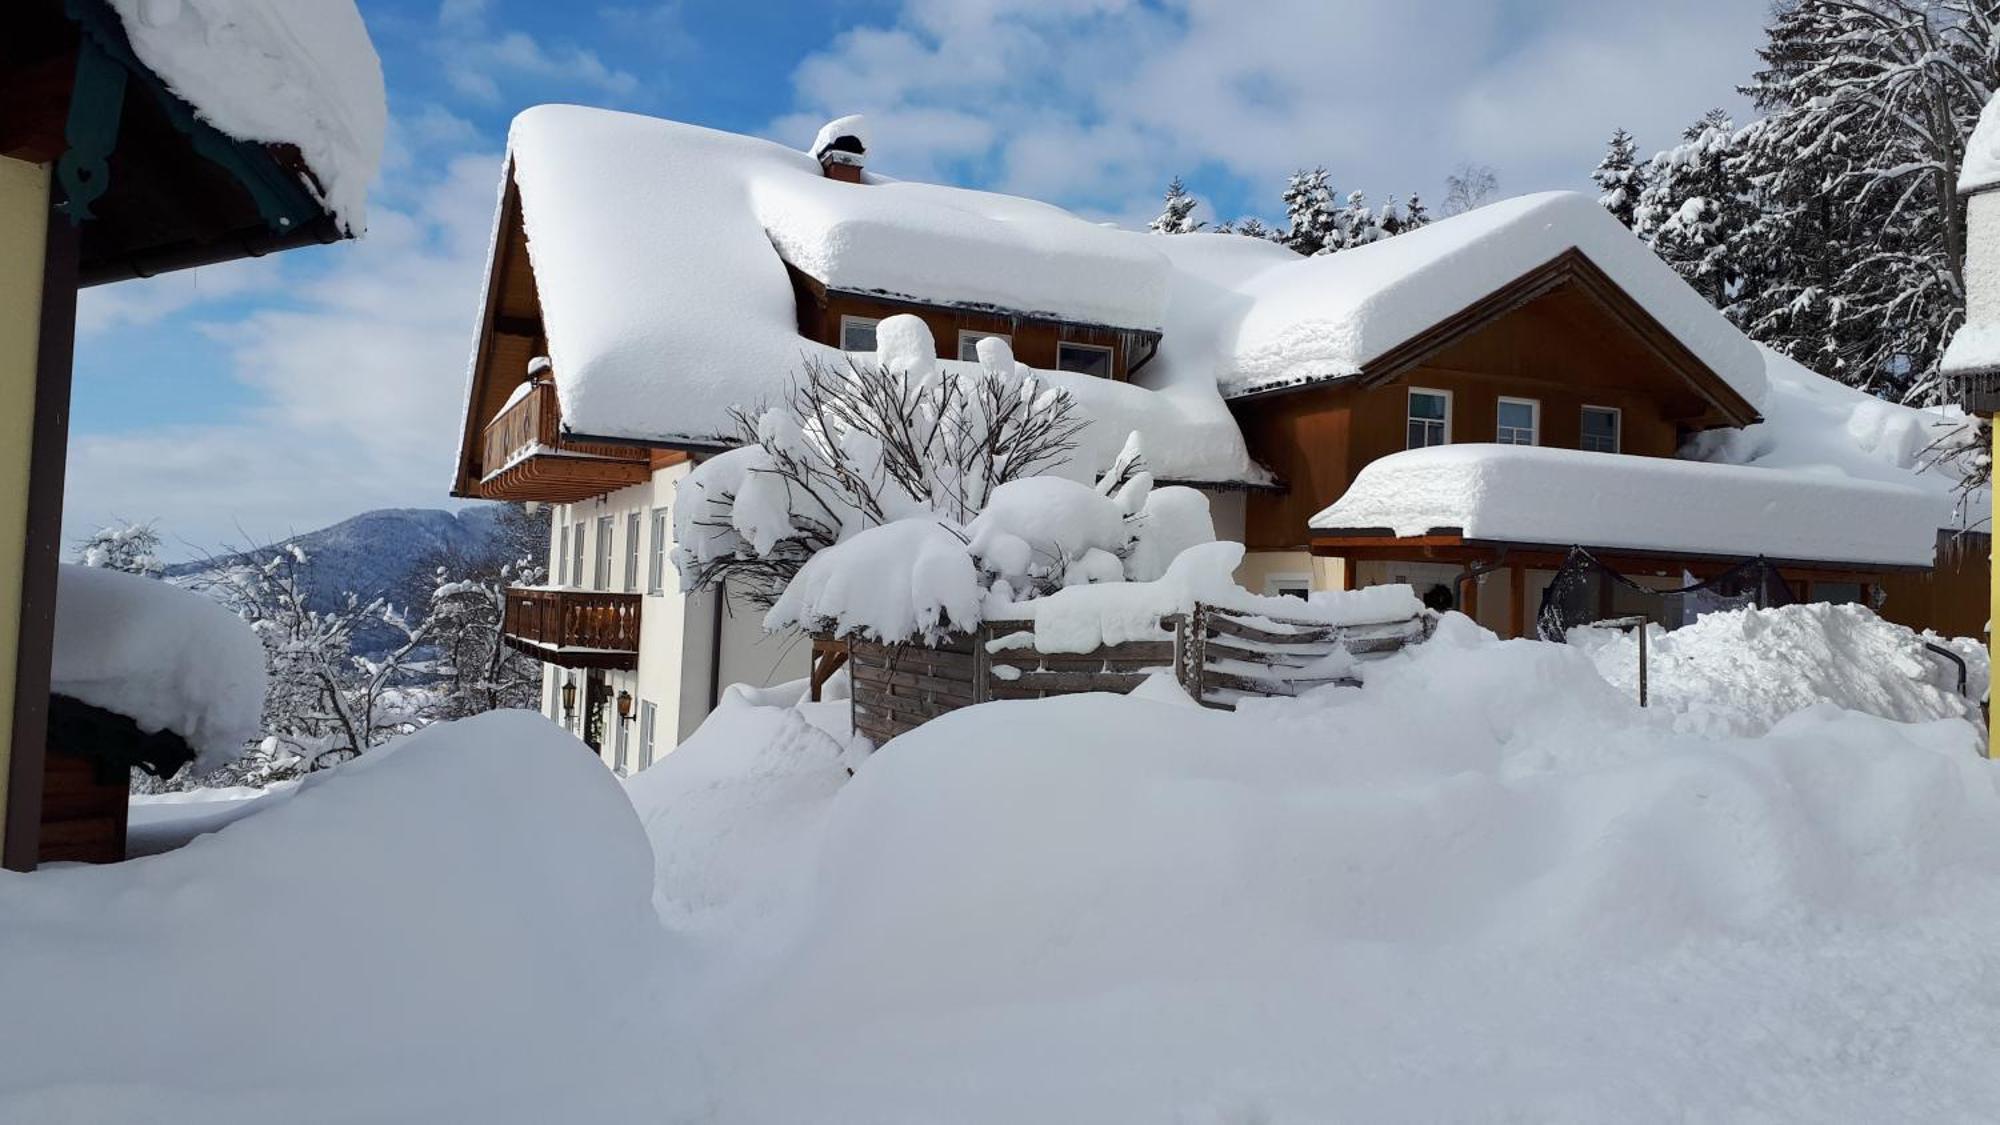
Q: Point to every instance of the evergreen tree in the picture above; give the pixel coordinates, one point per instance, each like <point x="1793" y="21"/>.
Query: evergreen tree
<point x="1359" y="224"/>
<point x="1253" y="227"/>
<point x="1696" y="208"/>
<point x="1312" y="218"/>
<point x="1177" y="216"/>
<point x="1620" y="178"/>
<point x="1415" y="214"/>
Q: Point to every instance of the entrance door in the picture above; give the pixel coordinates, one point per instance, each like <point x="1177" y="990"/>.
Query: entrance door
<point x="596" y="701"/>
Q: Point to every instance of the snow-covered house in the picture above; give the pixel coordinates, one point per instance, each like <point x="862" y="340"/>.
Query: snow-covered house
<point x="135" y="138"/>
<point x="647" y="277"/>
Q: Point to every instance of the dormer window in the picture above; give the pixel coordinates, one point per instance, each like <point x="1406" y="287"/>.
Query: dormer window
<point x="968" y="343"/>
<point x="857" y="334"/>
<point x="1084" y="359"/>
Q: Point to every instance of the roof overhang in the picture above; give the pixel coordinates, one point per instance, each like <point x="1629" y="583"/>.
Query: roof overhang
<point x="1449" y="544"/>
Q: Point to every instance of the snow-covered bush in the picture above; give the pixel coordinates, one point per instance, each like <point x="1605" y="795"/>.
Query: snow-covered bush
<point x="130" y="547"/>
<point x="896" y="498"/>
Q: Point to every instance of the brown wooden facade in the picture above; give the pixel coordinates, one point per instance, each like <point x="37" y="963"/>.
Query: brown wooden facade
<point x="575" y="628"/>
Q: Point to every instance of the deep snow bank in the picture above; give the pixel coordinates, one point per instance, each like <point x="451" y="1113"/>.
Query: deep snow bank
<point x="1486" y="886"/>
<point x="455" y="928"/>
<point x="1740" y="671"/>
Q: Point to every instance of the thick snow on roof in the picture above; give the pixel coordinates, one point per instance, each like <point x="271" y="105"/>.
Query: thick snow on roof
<point x="1309" y="319"/>
<point x="666" y="305"/>
<point x="1815" y="425"/>
<point x="1981" y="167"/>
<point x="164" y="657"/>
<point x="298" y="72"/>
<point x="956" y="246"/>
<point x="1566" y="496"/>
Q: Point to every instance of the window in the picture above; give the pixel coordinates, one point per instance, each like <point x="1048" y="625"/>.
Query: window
<point x="600" y="575"/>
<point x="1084" y="359"/>
<point x="1518" y="419"/>
<point x="656" y="568"/>
<point x="648" y="724"/>
<point x="1430" y="418"/>
<point x="622" y="760"/>
<point x="857" y="334"/>
<point x="1289" y="586"/>
<point x="1600" y="429"/>
<point x="576" y="555"/>
<point x="968" y="343"/>
<point x="562" y="558"/>
<point x="631" y="552"/>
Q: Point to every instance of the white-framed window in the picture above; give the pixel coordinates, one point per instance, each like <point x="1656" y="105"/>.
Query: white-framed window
<point x="1601" y="426"/>
<point x="576" y="554"/>
<point x="1518" y="421"/>
<point x="656" y="567"/>
<point x="632" y="552"/>
<point x="1289" y="586"/>
<point x="1429" y="418"/>
<point x="1084" y="359"/>
<point x="857" y="333"/>
<point x="968" y="343"/>
<point x="649" y="725"/>
<point x="562" y="557"/>
<point x="600" y="575"/>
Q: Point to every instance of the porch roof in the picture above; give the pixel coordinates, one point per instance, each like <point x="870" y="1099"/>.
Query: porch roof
<point x="1534" y="495"/>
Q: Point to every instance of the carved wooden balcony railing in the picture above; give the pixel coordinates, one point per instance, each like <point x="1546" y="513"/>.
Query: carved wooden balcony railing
<point x="574" y="628"/>
<point x="525" y="456"/>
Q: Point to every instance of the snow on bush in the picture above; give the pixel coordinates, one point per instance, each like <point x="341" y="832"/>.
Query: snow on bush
<point x="1741" y="671"/>
<point x="454" y="927"/>
<point x="911" y="579"/>
<point x="1485" y="886"/>
<point x="164" y="657"/>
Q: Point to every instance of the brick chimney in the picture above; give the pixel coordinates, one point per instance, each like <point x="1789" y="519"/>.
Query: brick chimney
<point x="842" y="148"/>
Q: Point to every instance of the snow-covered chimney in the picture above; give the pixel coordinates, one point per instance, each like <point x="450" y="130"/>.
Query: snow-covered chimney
<point x="842" y="148"/>
<point x="1972" y="362"/>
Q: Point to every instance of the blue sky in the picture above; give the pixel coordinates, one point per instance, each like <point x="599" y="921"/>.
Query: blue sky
<point x="248" y="401"/>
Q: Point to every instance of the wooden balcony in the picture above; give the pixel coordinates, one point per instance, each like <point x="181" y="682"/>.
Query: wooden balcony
<point x="574" y="628"/>
<point x="525" y="456"/>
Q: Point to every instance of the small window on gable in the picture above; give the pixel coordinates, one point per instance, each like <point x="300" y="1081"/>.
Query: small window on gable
<point x="857" y="334"/>
<point x="1600" y="429"/>
<point x="1518" y="422"/>
<point x="1084" y="359"/>
<point x="1430" y="418"/>
<point x="968" y="343"/>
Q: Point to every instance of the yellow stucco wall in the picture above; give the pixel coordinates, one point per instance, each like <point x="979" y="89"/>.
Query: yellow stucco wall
<point x="24" y="209"/>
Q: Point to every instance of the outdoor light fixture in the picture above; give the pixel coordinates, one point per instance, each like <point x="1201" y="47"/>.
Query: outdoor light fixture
<point x="569" y="696"/>
<point x="624" y="706"/>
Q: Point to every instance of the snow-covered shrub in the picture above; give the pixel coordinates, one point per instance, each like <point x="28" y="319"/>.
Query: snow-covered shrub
<point x="130" y="547"/>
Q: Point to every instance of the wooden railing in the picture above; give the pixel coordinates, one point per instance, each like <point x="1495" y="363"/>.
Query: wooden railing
<point x="532" y="420"/>
<point x="575" y="628"/>
<point x="526" y="455"/>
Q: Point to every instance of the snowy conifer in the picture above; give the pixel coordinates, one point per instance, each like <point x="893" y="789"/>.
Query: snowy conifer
<point x="1312" y="218"/>
<point x="1696" y="208"/>
<point x="1177" y="216"/>
<point x="1620" y="178"/>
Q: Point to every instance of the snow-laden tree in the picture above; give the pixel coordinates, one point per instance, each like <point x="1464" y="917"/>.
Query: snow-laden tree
<point x="1360" y="224"/>
<point x="130" y="547"/>
<point x="1469" y="186"/>
<point x="1250" y="226"/>
<point x="1413" y="214"/>
<point x="473" y="670"/>
<point x="1697" y="206"/>
<point x="1620" y="178"/>
<point x="1312" y="217"/>
<point x="1868" y="104"/>
<point x="1177" y="216"/>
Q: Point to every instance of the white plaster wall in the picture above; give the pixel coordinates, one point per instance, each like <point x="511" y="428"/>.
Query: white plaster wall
<point x="1982" y="259"/>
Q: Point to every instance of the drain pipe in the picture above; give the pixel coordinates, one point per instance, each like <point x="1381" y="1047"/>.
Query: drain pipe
<point x="1473" y="572"/>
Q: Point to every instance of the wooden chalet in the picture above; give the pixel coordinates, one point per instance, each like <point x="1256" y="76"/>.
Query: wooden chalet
<point x="105" y="174"/>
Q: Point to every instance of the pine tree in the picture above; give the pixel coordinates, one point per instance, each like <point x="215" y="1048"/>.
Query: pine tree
<point x="1253" y="227"/>
<point x="1697" y="206"/>
<point x="1415" y="214"/>
<point x="1620" y="178"/>
<point x="1176" y="216"/>
<point x="1359" y="224"/>
<point x="1312" y="219"/>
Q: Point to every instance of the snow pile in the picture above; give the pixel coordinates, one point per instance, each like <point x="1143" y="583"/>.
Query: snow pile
<point x="1533" y="494"/>
<point x="297" y="72"/>
<point x="454" y="927"/>
<point x="907" y="580"/>
<point x="1741" y="671"/>
<point x="1536" y="903"/>
<point x="1085" y="618"/>
<point x="1326" y="317"/>
<point x="1815" y="425"/>
<point x="164" y="657"/>
<point x="1981" y="168"/>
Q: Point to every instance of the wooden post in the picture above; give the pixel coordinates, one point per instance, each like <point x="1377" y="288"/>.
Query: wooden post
<point x="1517" y="592"/>
<point x="1643" y="628"/>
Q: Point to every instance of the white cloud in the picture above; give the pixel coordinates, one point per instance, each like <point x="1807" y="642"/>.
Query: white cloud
<point x="1097" y="103"/>
<point x="478" y="59"/>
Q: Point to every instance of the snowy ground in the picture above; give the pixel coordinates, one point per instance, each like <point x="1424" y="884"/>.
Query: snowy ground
<point x="1485" y="886"/>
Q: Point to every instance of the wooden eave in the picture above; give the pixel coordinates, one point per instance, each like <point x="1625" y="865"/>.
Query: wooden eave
<point x="820" y="293"/>
<point x="511" y="326"/>
<point x="1571" y="268"/>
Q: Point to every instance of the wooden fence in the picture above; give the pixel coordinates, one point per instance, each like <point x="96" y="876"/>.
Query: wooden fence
<point x="1219" y="656"/>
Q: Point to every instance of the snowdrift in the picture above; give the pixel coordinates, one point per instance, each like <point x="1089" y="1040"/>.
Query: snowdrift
<point x="454" y="928"/>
